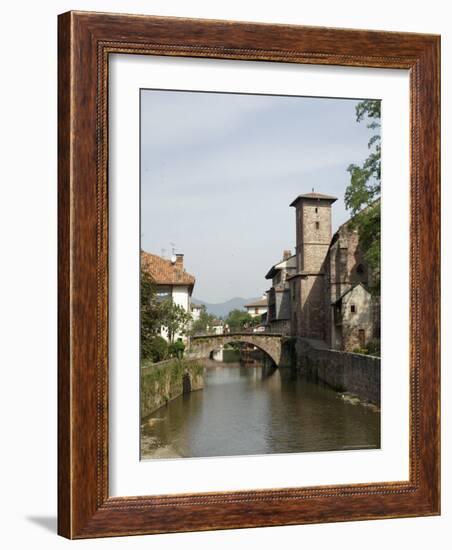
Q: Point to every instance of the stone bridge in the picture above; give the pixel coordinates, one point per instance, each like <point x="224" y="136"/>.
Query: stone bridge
<point x="270" y="343"/>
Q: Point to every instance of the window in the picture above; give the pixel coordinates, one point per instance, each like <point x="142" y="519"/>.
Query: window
<point x="163" y="293"/>
<point x="256" y="310"/>
<point x="353" y="308"/>
<point x="316" y="210"/>
<point x="317" y="225"/>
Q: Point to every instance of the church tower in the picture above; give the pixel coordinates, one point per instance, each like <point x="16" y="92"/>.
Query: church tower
<point x="308" y="285"/>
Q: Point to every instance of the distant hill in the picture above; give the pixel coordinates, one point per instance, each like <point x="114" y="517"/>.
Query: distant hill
<point x="222" y="310"/>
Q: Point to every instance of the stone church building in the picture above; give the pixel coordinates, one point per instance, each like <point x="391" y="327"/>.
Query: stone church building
<point x="329" y="296"/>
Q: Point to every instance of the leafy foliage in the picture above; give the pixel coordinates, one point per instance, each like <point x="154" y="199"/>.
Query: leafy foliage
<point x="372" y="348"/>
<point x="155" y="348"/>
<point x="149" y="325"/>
<point x="204" y="324"/>
<point x="363" y="192"/>
<point x="239" y="319"/>
<point x="154" y="315"/>
<point x="176" y="349"/>
<point x="173" y="317"/>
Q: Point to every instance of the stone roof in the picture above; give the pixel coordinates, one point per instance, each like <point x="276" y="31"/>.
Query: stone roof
<point x="164" y="272"/>
<point x="315" y="196"/>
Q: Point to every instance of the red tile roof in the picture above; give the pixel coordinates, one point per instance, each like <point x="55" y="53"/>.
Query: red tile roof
<point x="164" y="272"/>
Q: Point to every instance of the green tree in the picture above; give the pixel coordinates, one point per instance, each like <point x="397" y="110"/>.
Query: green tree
<point x="204" y="323"/>
<point x="149" y="321"/>
<point x="173" y="317"/>
<point x="176" y="349"/>
<point x="156" y="349"/>
<point x="362" y="195"/>
<point x="155" y="314"/>
<point x="239" y="319"/>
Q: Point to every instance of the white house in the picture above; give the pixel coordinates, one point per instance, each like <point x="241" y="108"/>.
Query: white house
<point x="196" y="311"/>
<point x="171" y="281"/>
<point x="217" y="326"/>
<point x="257" y="308"/>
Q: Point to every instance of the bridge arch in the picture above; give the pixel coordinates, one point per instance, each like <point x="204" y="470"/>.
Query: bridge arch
<point x="201" y="346"/>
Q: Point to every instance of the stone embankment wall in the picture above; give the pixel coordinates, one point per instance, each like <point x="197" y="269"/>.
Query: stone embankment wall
<point x="343" y="371"/>
<point x="164" y="381"/>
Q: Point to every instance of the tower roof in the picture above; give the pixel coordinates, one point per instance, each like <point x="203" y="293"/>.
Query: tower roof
<point x="314" y="196"/>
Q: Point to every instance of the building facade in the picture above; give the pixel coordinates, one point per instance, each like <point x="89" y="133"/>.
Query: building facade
<point x="329" y="290"/>
<point x="308" y="286"/>
<point x="278" y="296"/>
<point x="171" y="282"/>
<point x="196" y="310"/>
<point x="257" y="308"/>
<point x="354" y="312"/>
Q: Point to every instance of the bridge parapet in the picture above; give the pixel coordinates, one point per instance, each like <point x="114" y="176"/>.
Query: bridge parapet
<point x="237" y="333"/>
<point x="270" y="343"/>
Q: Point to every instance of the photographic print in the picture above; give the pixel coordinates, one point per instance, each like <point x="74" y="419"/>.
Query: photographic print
<point x="221" y="265"/>
<point x="259" y="274"/>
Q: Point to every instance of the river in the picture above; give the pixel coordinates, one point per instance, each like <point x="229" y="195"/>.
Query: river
<point x="253" y="409"/>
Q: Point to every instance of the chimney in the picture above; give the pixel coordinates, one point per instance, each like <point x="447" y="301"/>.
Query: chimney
<point x="180" y="261"/>
<point x="286" y="254"/>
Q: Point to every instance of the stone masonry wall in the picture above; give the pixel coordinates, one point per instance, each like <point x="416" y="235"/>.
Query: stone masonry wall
<point x="164" y="381"/>
<point x="202" y="346"/>
<point x="343" y="371"/>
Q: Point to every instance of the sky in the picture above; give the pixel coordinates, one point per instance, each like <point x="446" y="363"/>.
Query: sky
<point x="219" y="170"/>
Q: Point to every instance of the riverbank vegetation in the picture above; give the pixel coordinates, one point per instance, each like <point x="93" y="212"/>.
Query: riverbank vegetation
<point x="239" y="320"/>
<point x="155" y="314"/>
<point x="164" y="381"/>
<point x="372" y="348"/>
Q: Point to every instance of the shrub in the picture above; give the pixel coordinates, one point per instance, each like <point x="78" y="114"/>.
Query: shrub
<point x="155" y="348"/>
<point x="176" y="349"/>
<point x="374" y="348"/>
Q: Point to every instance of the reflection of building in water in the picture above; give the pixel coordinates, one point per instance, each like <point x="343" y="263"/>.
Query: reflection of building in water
<point x="171" y="282"/>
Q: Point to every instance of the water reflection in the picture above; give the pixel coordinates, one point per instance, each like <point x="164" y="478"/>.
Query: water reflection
<point x="246" y="410"/>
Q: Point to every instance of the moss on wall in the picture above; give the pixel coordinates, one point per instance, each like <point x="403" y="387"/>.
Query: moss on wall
<point x="162" y="382"/>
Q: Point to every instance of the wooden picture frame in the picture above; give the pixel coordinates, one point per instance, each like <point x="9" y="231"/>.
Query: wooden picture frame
<point x="86" y="40"/>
